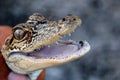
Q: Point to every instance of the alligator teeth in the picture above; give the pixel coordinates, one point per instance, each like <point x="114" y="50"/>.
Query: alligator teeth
<point x="37" y="49"/>
<point x="56" y="42"/>
<point x="48" y="45"/>
<point x="69" y="34"/>
<point x="60" y="37"/>
<point x="64" y="35"/>
<point x="73" y="30"/>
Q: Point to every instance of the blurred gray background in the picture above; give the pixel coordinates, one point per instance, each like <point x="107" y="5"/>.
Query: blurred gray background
<point x="100" y="27"/>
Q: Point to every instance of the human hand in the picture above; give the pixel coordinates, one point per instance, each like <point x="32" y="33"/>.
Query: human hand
<point x="5" y="72"/>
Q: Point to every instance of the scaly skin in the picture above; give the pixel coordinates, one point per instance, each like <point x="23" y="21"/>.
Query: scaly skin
<point x="27" y="50"/>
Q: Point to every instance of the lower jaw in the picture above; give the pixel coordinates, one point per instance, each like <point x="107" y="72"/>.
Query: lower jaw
<point x="56" y="54"/>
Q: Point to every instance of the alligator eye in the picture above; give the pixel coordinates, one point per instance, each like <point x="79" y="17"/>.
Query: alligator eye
<point x="19" y="33"/>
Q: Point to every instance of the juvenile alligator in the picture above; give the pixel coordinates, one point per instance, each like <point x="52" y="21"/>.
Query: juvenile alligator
<point x="37" y="44"/>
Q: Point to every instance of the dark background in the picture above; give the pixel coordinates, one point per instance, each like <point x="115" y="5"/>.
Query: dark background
<point x="100" y="27"/>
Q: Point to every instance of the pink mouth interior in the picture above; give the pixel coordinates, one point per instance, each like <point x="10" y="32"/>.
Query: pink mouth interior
<point x="54" y="51"/>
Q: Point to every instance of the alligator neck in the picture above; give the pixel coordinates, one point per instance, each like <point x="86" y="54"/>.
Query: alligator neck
<point x="37" y="75"/>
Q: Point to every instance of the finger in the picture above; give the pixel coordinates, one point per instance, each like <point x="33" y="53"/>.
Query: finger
<point x="4" y="70"/>
<point x="15" y="76"/>
<point x="5" y="31"/>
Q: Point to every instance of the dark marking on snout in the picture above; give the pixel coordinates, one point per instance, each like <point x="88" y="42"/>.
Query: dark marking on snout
<point x="81" y="43"/>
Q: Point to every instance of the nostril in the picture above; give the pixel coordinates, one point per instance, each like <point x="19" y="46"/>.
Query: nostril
<point x="63" y="19"/>
<point x="74" y="19"/>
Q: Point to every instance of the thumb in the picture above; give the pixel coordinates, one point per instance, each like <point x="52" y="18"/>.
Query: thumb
<point x="5" y="31"/>
<point x="4" y="70"/>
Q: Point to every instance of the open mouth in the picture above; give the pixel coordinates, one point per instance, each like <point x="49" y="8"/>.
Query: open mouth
<point x="47" y="56"/>
<point x="21" y="56"/>
<point x="60" y="50"/>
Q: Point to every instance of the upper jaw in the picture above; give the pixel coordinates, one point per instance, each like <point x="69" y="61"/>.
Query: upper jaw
<point x="54" y="55"/>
